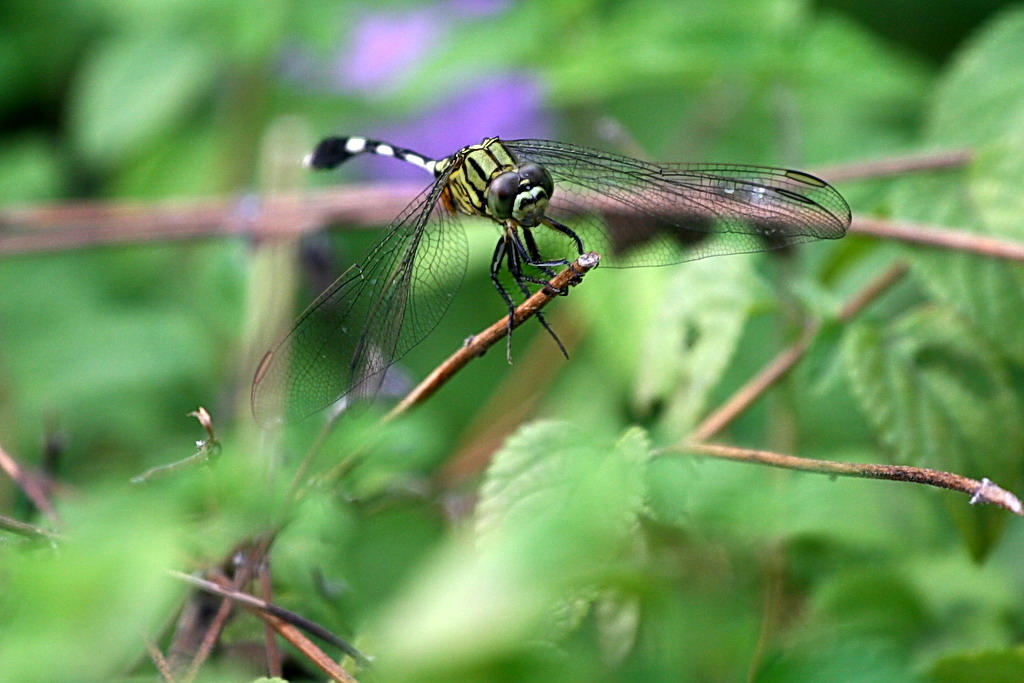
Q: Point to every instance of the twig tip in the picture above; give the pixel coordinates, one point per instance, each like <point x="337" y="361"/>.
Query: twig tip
<point x="988" y="492"/>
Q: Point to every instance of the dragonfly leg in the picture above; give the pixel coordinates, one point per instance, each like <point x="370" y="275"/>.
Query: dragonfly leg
<point x="575" y="238"/>
<point x="536" y="261"/>
<point x="530" y="255"/>
<point x="515" y="267"/>
<point x="565" y="230"/>
<point x="499" y="255"/>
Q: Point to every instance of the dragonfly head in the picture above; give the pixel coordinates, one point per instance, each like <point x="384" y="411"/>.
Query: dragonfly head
<point x="521" y="195"/>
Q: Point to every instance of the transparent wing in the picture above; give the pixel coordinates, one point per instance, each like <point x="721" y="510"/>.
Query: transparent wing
<point x="369" y="317"/>
<point x="636" y="213"/>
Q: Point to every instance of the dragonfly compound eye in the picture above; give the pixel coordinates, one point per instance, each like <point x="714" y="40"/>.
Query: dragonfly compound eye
<point x="501" y="195"/>
<point x="535" y="189"/>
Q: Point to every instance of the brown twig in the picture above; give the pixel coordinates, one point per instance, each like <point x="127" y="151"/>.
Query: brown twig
<point x="314" y="654"/>
<point x="161" y="664"/>
<point x="983" y="491"/>
<point x="264" y="607"/>
<point x="215" y="626"/>
<point x="890" y="166"/>
<point x="68" y="226"/>
<point x="35" y="228"/>
<point x="780" y="366"/>
<point x="474" y="347"/>
<point x="256" y="551"/>
<point x="477" y="345"/>
<point x="30" y="484"/>
<point x="25" y="529"/>
<point x="937" y="236"/>
<point x="270" y="645"/>
<point x="511" y="402"/>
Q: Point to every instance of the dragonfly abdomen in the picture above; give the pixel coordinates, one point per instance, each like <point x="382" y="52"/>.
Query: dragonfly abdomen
<point x="332" y="152"/>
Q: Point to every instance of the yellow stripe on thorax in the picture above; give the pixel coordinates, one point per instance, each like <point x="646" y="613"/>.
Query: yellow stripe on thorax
<point x="474" y="168"/>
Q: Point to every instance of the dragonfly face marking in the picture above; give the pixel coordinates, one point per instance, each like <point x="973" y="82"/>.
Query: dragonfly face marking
<point x="632" y="212"/>
<point x="521" y="195"/>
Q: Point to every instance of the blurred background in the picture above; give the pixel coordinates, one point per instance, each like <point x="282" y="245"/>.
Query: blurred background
<point x="177" y="100"/>
<point x="104" y="348"/>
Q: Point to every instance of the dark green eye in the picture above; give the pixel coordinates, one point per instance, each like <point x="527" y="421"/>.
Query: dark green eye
<point x="537" y="176"/>
<point x="501" y="194"/>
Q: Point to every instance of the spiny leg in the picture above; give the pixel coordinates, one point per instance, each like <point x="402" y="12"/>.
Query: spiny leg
<point x="496" y="259"/>
<point x="568" y="232"/>
<point x="524" y="254"/>
<point x="537" y="261"/>
<point x="515" y="267"/>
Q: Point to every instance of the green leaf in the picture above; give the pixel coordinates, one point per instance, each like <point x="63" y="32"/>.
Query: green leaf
<point x="29" y="169"/>
<point x="980" y="102"/>
<point x="995" y="666"/>
<point x="557" y="514"/>
<point x="875" y="108"/>
<point x="848" y="660"/>
<point x="86" y="606"/>
<point x="982" y="96"/>
<point x="872" y="603"/>
<point x="132" y="88"/>
<point x="994" y="184"/>
<point x="548" y="473"/>
<point x="987" y="291"/>
<point x="694" y="333"/>
<point x="937" y="395"/>
<point x="546" y="478"/>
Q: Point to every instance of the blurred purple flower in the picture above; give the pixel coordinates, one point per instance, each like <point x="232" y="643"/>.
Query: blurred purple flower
<point x="510" y="106"/>
<point x="474" y="8"/>
<point x="387" y="46"/>
<point x="384" y="48"/>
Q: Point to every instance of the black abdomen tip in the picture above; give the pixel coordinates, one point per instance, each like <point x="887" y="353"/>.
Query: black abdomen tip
<point x="329" y="153"/>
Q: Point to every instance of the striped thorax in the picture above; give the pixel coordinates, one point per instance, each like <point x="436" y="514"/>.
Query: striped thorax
<point x="487" y="180"/>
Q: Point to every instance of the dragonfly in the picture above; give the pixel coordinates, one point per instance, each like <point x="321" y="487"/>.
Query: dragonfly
<point x="551" y="201"/>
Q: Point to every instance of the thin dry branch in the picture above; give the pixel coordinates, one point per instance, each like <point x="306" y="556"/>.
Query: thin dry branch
<point x="30" y="484"/>
<point x="161" y="664"/>
<point x="315" y="655"/>
<point x="898" y="165"/>
<point x="474" y="347"/>
<point x="278" y="615"/>
<point x="780" y="366"/>
<point x="511" y="402"/>
<point x="478" y="344"/>
<point x="214" y="625"/>
<point x="25" y="529"/>
<point x="271" y="647"/>
<point x="938" y="236"/>
<point x="41" y="228"/>
<point x="983" y="491"/>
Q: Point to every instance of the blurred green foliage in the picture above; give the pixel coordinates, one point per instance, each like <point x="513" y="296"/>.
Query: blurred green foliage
<point x="591" y="552"/>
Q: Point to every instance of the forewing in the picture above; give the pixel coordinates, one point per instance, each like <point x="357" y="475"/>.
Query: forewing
<point x="369" y="317"/>
<point x="636" y="213"/>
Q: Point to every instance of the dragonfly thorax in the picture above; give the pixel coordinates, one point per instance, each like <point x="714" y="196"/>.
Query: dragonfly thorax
<point x="489" y="180"/>
<point x="521" y="195"/>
